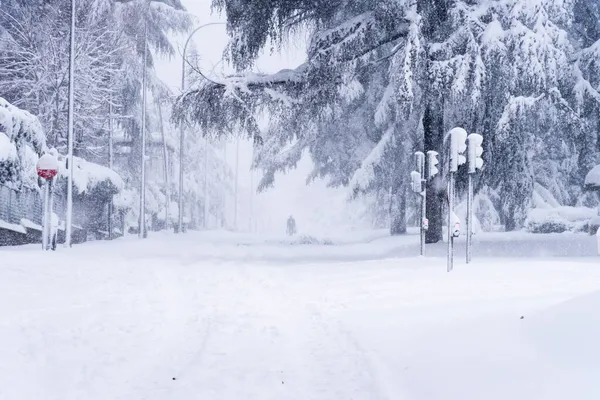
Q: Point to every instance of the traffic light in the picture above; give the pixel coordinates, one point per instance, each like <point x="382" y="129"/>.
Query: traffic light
<point x="475" y="151"/>
<point x="432" y="164"/>
<point x="420" y="162"/>
<point x="415" y="179"/>
<point x="458" y="145"/>
<point x="455" y="225"/>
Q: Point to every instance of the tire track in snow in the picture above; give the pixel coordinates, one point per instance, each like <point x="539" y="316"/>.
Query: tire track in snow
<point x="349" y="370"/>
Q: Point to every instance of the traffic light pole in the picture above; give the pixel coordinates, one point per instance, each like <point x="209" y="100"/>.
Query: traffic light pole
<point x="469" y="217"/>
<point x="450" y="260"/>
<point x="421" y="190"/>
<point x="475" y="162"/>
<point x="423" y="216"/>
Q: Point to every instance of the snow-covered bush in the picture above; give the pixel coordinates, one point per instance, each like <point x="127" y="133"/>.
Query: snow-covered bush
<point x="22" y="141"/>
<point x="559" y="219"/>
<point x="309" y="240"/>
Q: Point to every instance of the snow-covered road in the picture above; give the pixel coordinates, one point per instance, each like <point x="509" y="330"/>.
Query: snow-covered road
<point x="163" y="320"/>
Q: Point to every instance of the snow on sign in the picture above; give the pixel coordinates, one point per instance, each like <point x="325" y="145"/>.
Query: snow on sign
<point x="47" y="166"/>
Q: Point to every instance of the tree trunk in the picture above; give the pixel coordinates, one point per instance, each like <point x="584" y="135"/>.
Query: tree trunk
<point x="434" y="140"/>
<point x="398" y="210"/>
<point x="510" y="224"/>
<point x="435" y="213"/>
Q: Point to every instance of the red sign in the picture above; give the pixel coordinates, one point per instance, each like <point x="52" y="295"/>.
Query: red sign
<point x="47" y="166"/>
<point x="46" y="173"/>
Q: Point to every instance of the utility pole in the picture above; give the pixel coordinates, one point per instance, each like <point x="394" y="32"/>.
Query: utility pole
<point x="206" y="194"/>
<point x="142" y="222"/>
<point x="70" y="133"/>
<point x="237" y="168"/>
<point x="110" y="164"/>
<point x="166" y="167"/>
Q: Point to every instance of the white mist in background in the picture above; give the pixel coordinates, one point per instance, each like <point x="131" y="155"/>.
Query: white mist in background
<point x="316" y="208"/>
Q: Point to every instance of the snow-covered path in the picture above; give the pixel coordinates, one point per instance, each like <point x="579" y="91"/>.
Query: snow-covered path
<point x="160" y="320"/>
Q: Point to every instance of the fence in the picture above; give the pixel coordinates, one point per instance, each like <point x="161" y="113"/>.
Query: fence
<point x="16" y="205"/>
<point x="27" y="204"/>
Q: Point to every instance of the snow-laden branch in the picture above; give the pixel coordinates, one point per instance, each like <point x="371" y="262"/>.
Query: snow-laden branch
<point x="364" y="176"/>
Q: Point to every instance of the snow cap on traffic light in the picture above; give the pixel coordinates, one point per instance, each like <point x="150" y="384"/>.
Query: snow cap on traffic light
<point x="432" y="164"/>
<point x="458" y="145"/>
<point x="415" y="180"/>
<point x="475" y="152"/>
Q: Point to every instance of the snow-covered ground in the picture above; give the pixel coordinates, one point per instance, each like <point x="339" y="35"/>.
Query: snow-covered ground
<point x="224" y="316"/>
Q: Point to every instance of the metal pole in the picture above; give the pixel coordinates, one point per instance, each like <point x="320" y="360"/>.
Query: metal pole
<point x="166" y="168"/>
<point x="50" y="212"/>
<point x="181" y="139"/>
<point x="181" y="131"/>
<point x="469" y="217"/>
<point x="70" y="142"/>
<point x="206" y="194"/>
<point x="45" y="227"/>
<point x="142" y="222"/>
<point x="450" y="260"/>
<point x="237" y="168"/>
<point x="110" y="165"/>
<point x="423" y="216"/>
<point x="251" y="219"/>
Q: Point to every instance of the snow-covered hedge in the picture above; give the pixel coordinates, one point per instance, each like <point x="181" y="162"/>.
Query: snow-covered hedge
<point x="559" y="219"/>
<point x="89" y="177"/>
<point x="21" y="126"/>
<point x="22" y="141"/>
<point x="592" y="179"/>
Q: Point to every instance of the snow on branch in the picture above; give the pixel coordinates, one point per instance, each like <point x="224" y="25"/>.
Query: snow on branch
<point x="354" y="39"/>
<point x="19" y="125"/>
<point x="363" y="177"/>
<point x="222" y="105"/>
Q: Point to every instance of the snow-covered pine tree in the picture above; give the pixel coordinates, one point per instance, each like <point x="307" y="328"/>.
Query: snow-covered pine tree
<point x="414" y="70"/>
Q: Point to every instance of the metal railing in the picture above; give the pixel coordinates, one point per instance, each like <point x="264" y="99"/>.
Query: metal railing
<point x="16" y="205"/>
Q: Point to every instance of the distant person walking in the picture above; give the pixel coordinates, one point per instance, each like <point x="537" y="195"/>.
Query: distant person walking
<point x="291" y="226"/>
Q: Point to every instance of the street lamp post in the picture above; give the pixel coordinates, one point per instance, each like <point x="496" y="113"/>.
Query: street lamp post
<point x="142" y="222"/>
<point x="181" y="130"/>
<point x="70" y="142"/>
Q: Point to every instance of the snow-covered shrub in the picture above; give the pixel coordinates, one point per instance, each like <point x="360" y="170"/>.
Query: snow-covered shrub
<point x="559" y="219"/>
<point x="22" y="140"/>
<point x="593" y="225"/>
<point x="310" y="240"/>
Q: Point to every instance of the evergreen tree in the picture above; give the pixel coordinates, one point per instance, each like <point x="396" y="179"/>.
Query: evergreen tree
<point x="385" y="78"/>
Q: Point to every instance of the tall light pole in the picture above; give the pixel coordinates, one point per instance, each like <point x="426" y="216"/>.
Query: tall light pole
<point x="70" y="144"/>
<point x="206" y="197"/>
<point x="181" y="130"/>
<point x="142" y="223"/>
<point x="237" y="168"/>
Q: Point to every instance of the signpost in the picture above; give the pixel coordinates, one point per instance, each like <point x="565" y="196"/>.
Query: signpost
<point x="459" y="142"/>
<point x="420" y="164"/>
<point x="419" y="180"/>
<point x="458" y="145"/>
<point x="475" y="162"/>
<point x="47" y="169"/>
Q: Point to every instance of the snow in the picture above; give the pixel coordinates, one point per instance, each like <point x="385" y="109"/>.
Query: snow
<point x="28" y="224"/>
<point x="568" y="218"/>
<point x="364" y="175"/>
<point x="12" y="227"/>
<point x="8" y="151"/>
<point x="87" y="175"/>
<point x="592" y="179"/>
<point x="17" y="124"/>
<point x="218" y="315"/>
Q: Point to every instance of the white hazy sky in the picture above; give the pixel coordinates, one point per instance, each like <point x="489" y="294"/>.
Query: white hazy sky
<point x="317" y="209"/>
